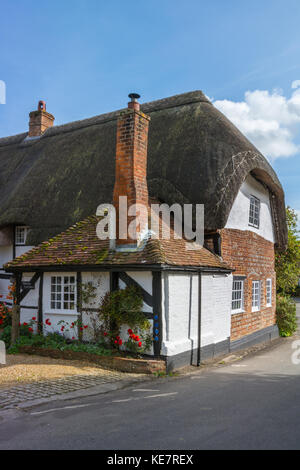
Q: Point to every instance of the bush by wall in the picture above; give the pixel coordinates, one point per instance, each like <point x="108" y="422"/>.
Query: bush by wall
<point x="286" y="315"/>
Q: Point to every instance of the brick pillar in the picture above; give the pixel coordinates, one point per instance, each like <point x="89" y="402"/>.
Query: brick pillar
<point x="39" y="120"/>
<point x="131" y="166"/>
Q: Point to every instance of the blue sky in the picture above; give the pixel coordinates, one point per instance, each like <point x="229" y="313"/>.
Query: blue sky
<point x="84" y="56"/>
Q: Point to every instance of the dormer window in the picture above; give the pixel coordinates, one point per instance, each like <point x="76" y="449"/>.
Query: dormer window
<point x="20" y="234"/>
<point x="254" y="212"/>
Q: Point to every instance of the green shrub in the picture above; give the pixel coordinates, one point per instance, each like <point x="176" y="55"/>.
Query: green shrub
<point x="286" y="315"/>
<point x="297" y="292"/>
<point x="5" y="335"/>
<point x="119" y="308"/>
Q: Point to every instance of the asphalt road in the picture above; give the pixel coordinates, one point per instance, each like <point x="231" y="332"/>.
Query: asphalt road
<point x="253" y="403"/>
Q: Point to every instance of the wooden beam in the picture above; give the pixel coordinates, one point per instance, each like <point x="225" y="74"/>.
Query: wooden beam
<point x="26" y="290"/>
<point x="40" y="305"/>
<point x="199" y="318"/>
<point x="114" y="280"/>
<point x="15" y="313"/>
<point x="157" y="313"/>
<point x="147" y="298"/>
<point x="79" y="302"/>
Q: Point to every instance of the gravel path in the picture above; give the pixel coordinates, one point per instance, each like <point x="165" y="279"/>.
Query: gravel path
<point x="27" y="377"/>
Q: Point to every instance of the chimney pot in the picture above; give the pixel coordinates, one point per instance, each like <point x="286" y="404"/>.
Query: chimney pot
<point x="134" y="104"/>
<point x="42" y="106"/>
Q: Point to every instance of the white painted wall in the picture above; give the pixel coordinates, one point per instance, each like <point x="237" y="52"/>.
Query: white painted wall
<point x="239" y="214"/>
<point x="101" y="281"/>
<point x="6" y="254"/>
<point x="216" y="293"/>
<point x="21" y="249"/>
<point x="144" y="279"/>
<point x="180" y="311"/>
<point x="30" y="300"/>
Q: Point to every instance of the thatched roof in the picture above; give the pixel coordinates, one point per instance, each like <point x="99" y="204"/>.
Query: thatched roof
<point x="195" y="155"/>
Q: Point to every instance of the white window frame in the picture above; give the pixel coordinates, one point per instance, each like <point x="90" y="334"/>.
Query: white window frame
<point x="256" y="293"/>
<point x="237" y="279"/>
<point x="57" y="295"/>
<point x="20" y="240"/>
<point x="269" y="292"/>
<point x="254" y="212"/>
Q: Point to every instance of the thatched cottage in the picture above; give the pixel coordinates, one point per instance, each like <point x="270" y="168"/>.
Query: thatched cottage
<point x="201" y="303"/>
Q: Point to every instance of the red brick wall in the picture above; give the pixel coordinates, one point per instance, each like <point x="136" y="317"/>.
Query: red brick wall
<point x="131" y="161"/>
<point x="39" y="121"/>
<point x="251" y="256"/>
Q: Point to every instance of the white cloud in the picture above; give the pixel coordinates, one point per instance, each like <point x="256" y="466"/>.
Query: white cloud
<point x="295" y="84"/>
<point x="270" y="120"/>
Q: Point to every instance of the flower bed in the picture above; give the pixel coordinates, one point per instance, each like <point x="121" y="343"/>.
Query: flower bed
<point x="123" y="364"/>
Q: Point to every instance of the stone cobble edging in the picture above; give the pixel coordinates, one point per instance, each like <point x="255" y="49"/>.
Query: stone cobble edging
<point x="11" y="397"/>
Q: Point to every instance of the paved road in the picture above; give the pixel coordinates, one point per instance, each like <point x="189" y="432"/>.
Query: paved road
<point x="250" y="404"/>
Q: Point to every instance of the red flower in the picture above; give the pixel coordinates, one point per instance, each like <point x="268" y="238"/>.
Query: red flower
<point x="105" y="334"/>
<point x="120" y="342"/>
<point x="62" y="328"/>
<point x="1" y="321"/>
<point x="81" y="329"/>
<point x="73" y="337"/>
<point x="33" y="318"/>
<point x="137" y="338"/>
<point x="140" y="344"/>
<point x="130" y="331"/>
<point x="116" y="342"/>
<point x="47" y="321"/>
<point x="30" y="329"/>
<point x="25" y="324"/>
<point x="85" y="326"/>
<point x="118" y="337"/>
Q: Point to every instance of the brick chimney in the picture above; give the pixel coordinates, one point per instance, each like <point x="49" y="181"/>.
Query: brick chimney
<point x="131" y="169"/>
<point x="39" y="120"/>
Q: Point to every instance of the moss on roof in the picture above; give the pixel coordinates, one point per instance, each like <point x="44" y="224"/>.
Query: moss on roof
<point x="80" y="246"/>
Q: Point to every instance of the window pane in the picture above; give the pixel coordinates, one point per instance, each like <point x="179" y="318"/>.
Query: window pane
<point x="254" y="211"/>
<point x="237" y="295"/>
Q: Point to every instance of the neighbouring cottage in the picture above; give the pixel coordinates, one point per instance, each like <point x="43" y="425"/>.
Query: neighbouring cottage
<point x="201" y="303"/>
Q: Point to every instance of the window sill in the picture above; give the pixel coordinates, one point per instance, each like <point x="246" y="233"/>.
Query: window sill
<point x="61" y="312"/>
<point x="236" y="312"/>
<point x="255" y="310"/>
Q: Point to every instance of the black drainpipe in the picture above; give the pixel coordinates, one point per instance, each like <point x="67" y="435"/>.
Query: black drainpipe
<point x="199" y="319"/>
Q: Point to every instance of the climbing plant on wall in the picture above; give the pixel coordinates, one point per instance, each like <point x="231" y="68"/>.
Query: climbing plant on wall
<point x="124" y="307"/>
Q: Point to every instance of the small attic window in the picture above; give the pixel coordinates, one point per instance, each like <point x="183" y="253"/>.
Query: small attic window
<point x="21" y="234"/>
<point x="254" y="211"/>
